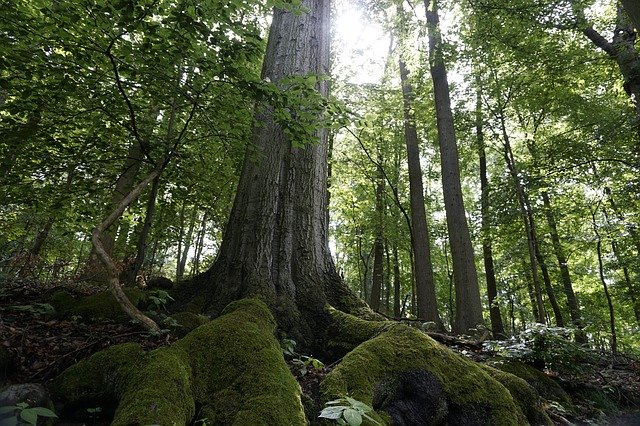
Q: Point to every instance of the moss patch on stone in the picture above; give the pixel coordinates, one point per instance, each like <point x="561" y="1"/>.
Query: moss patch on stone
<point x="469" y="389"/>
<point x="232" y="367"/>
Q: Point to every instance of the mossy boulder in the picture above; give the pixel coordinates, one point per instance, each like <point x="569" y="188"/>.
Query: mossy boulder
<point x="408" y="375"/>
<point x="101" y="305"/>
<point x="231" y="368"/>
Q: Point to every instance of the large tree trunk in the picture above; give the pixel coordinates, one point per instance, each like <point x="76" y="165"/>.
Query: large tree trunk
<point x="275" y="245"/>
<point x="423" y="269"/>
<point x="468" y="304"/>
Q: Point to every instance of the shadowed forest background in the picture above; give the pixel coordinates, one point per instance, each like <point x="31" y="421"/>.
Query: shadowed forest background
<point x="481" y="161"/>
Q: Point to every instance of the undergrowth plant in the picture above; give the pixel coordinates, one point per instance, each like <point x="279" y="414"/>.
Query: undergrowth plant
<point x="546" y="347"/>
<point x="22" y="414"/>
<point x="301" y="362"/>
<point x="347" y="411"/>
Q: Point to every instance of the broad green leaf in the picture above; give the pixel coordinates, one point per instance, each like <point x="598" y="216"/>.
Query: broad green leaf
<point x="332" y="412"/>
<point x="353" y="417"/>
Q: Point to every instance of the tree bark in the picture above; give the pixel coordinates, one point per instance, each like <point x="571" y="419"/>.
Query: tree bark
<point x="131" y="272"/>
<point x="497" y="327"/>
<point x="378" y="245"/>
<point x="538" y="311"/>
<point x="605" y="287"/>
<point x="423" y="269"/>
<point x="275" y="244"/>
<point x="572" y="300"/>
<point x="621" y="49"/>
<point x="468" y="303"/>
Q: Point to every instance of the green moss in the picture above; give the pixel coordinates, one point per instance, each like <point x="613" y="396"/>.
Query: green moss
<point x="232" y="366"/>
<point x="525" y="396"/>
<point x="158" y="391"/>
<point x="100" y="376"/>
<point x="546" y="387"/>
<point x="348" y="331"/>
<point x="401" y="349"/>
<point x="187" y="322"/>
<point x="100" y="305"/>
<point x="251" y="374"/>
<point x="62" y="302"/>
<point x="196" y="305"/>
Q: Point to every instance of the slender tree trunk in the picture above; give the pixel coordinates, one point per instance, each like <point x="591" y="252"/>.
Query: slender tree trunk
<point x="182" y="263"/>
<point x="130" y="274"/>
<point x="539" y="311"/>
<point x="396" y="281"/>
<point x="468" y="303"/>
<point x="200" y="243"/>
<point x="427" y="307"/>
<point x="612" y="318"/>
<point x="378" y="245"/>
<point x="387" y="278"/>
<point x="572" y="300"/>
<point x="497" y="326"/>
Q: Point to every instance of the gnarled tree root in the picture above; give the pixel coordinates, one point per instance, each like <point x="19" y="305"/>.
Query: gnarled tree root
<point x="230" y="371"/>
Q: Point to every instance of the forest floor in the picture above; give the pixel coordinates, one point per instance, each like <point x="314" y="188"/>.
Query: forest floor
<point x="42" y="346"/>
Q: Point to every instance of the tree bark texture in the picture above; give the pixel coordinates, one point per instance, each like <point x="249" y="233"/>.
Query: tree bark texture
<point x="468" y="304"/>
<point x="275" y="244"/>
<point x="423" y="269"/>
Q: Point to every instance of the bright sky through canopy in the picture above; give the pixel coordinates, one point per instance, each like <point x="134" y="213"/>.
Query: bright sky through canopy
<point x="360" y="45"/>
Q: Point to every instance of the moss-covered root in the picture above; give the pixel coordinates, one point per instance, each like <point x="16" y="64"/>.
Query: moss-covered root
<point x="524" y="395"/>
<point x="232" y="367"/>
<point x="347" y="331"/>
<point x="239" y="371"/>
<point x="417" y="381"/>
<point x="97" y="378"/>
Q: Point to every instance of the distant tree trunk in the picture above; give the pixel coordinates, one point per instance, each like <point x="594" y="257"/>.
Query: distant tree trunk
<point x="497" y="327"/>
<point x="396" y="281"/>
<point x="275" y="245"/>
<point x="200" y="243"/>
<point x="632" y="282"/>
<point x="378" y="245"/>
<point x="468" y="303"/>
<point x="612" y="319"/>
<point x="427" y="307"/>
<point x="182" y="258"/>
<point x="387" y="278"/>
<point x="572" y="300"/>
<point x="130" y="274"/>
<point x="539" y="311"/>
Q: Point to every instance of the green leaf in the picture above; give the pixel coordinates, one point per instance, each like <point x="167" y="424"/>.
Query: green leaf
<point x="43" y="412"/>
<point x="353" y="417"/>
<point x="29" y="416"/>
<point x="359" y="405"/>
<point x="332" y="412"/>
